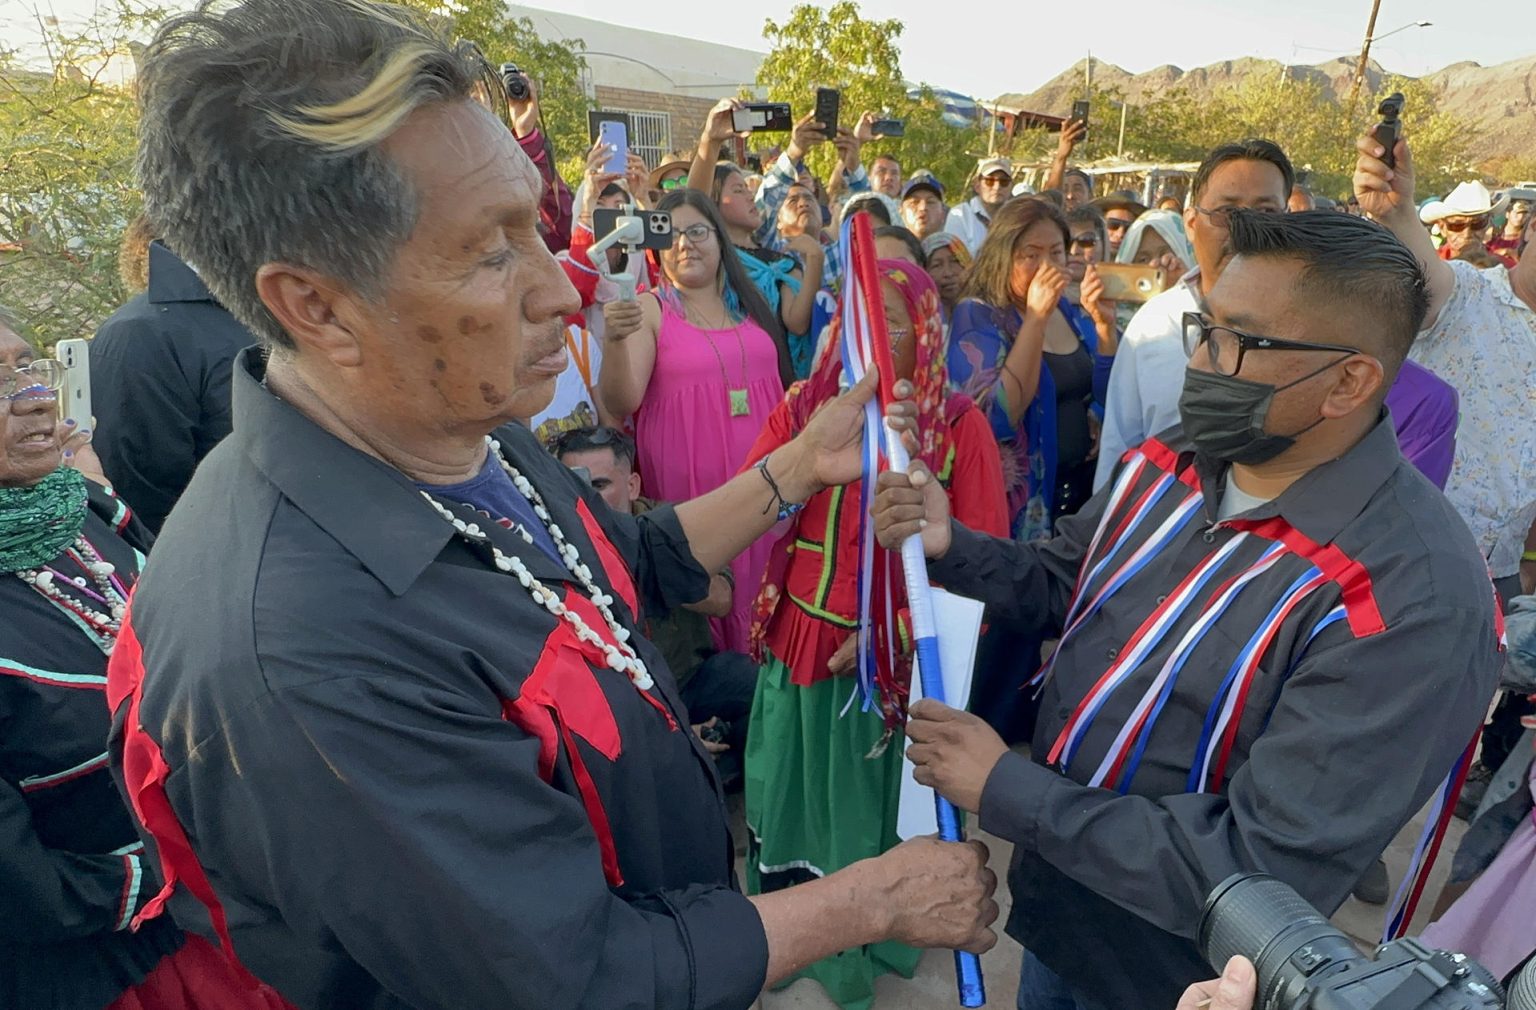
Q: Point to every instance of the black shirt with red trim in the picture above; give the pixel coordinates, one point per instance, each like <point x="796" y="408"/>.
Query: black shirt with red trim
<point x="72" y="872"/>
<point x="1280" y="691"/>
<point x="403" y="781"/>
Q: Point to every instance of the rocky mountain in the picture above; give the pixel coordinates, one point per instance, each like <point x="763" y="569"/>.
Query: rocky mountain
<point x="1497" y="103"/>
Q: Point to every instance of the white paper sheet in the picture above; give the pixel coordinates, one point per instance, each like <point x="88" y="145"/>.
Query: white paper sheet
<point x="958" y="620"/>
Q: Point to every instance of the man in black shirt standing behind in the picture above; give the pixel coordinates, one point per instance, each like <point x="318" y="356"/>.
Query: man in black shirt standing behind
<point x="1277" y="637"/>
<point x="160" y="371"/>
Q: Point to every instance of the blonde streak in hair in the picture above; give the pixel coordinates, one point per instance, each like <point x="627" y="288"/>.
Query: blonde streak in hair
<point x="387" y="13"/>
<point x="372" y="114"/>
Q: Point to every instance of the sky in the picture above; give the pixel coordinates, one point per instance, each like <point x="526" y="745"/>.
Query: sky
<point x="999" y="51"/>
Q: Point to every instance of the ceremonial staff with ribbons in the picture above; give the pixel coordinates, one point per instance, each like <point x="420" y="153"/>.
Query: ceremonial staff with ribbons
<point x="866" y="341"/>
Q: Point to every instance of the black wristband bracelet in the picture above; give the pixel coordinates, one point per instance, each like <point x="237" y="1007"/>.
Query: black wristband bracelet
<point x="786" y="509"/>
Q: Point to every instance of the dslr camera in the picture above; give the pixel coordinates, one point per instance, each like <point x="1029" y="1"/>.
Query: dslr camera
<point x="1304" y="963"/>
<point x="516" y="82"/>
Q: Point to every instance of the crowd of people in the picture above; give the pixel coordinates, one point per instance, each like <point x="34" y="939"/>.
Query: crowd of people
<point x="427" y="576"/>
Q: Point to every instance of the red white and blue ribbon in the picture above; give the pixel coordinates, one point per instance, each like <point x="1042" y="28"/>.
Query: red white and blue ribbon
<point x="858" y="354"/>
<point x="1438" y="820"/>
<point x="866" y="341"/>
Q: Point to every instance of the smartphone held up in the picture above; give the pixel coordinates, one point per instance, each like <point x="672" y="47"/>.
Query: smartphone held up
<point x="763" y="117"/>
<point x="1131" y="282"/>
<point x="1390" y="130"/>
<point x="75" y="392"/>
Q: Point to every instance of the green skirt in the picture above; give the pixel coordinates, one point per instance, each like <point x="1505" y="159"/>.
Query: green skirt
<point x="817" y="802"/>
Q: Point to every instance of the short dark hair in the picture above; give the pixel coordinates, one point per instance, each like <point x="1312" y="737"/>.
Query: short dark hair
<point x="1346" y="260"/>
<point x="1080" y="174"/>
<point x="1055" y="197"/>
<point x="905" y="235"/>
<point x="1089" y="215"/>
<point x="593" y="439"/>
<point x="887" y="157"/>
<point x="1253" y="149"/>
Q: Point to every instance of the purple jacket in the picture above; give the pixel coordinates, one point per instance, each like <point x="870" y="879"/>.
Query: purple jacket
<point x="1424" y="413"/>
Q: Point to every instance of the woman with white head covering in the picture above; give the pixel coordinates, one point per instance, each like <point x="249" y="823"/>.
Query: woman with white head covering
<point x="1157" y="238"/>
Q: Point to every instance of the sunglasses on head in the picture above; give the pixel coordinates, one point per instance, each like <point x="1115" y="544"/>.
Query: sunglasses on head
<point x="1463" y="223"/>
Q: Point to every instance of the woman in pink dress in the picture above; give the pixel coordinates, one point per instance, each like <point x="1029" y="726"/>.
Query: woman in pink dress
<point x="700" y="364"/>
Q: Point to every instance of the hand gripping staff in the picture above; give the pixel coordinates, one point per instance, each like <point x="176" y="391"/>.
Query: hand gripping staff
<point x="865" y="336"/>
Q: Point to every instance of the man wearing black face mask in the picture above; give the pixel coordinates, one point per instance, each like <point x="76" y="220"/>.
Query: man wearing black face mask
<point x="1277" y="637"/>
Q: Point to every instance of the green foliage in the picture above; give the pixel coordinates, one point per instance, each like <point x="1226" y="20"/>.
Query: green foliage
<point x="552" y="63"/>
<point x="1299" y="114"/>
<point x="67" y="141"/>
<point x="837" y="47"/>
<point x="68" y="136"/>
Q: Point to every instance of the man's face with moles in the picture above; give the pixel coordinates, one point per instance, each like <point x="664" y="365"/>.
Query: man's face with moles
<point x="468" y="333"/>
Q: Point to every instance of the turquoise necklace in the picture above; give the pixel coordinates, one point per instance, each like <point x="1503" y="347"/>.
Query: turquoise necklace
<point x="39" y="522"/>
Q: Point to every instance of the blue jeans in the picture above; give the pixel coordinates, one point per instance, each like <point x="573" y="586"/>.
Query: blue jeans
<point x="1042" y="989"/>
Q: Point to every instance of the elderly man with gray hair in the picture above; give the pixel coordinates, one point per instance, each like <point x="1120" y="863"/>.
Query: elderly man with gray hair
<point x="382" y="705"/>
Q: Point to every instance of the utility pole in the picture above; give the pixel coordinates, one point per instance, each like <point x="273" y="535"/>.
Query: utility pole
<point x="1088" y="75"/>
<point x="1365" y="56"/>
<point x="1120" y="147"/>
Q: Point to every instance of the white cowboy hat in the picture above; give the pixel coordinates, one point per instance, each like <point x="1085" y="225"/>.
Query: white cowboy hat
<point x="1470" y="199"/>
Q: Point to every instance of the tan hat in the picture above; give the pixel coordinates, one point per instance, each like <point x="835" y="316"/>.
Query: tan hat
<point x="987" y="166"/>
<point x="1470" y="199"/>
<point x="675" y="160"/>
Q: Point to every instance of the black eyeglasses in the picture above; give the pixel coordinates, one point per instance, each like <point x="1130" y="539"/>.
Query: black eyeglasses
<point x="1226" y="346"/>
<point x="698" y="234"/>
<point x="1221" y="217"/>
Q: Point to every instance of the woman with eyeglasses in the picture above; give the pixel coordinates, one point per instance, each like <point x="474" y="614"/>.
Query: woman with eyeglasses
<point x="73" y="872"/>
<point x="1034" y="362"/>
<point x="822" y="777"/>
<point x="700" y="365"/>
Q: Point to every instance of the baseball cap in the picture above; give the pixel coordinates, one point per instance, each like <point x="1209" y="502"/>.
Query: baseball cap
<point x="922" y="180"/>
<point x="987" y="166"/>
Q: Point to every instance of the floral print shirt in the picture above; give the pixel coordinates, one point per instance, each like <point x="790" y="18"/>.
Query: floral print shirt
<point x="1484" y="344"/>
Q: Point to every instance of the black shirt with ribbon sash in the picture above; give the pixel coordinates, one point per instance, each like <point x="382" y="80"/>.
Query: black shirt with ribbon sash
<point x="1278" y="691"/>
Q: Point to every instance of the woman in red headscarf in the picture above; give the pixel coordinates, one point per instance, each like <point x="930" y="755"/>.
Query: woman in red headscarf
<point x="822" y="776"/>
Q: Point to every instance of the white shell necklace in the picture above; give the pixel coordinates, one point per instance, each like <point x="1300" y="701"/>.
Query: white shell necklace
<point x="620" y="655"/>
<point x="102" y="628"/>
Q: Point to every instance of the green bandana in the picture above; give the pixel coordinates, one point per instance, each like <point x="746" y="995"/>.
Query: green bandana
<point x="38" y="522"/>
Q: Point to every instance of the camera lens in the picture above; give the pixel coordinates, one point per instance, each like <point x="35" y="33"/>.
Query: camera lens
<point x="1522" y="991"/>
<point x="1263" y="919"/>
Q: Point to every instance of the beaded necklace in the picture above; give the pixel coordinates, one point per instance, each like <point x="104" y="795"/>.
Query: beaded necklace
<point x="101" y="627"/>
<point x="620" y="655"/>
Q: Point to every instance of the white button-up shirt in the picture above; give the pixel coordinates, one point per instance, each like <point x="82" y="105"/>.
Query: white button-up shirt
<point x="969" y="222"/>
<point x="1484" y="344"/>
